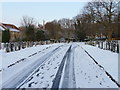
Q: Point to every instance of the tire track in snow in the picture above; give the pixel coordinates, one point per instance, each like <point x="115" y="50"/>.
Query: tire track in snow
<point x="18" y="61"/>
<point x="110" y="76"/>
<point x="68" y="80"/>
<point x="21" y="76"/>
<point x="45" y="74"/>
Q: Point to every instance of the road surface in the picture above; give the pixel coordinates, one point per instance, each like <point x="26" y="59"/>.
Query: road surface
<point x="58" y="66"/>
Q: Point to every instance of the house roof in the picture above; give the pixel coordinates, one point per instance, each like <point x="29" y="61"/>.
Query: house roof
<point x="11" y="27"/>
<point x="1" y="28"/>
<point x="14" y="30"/>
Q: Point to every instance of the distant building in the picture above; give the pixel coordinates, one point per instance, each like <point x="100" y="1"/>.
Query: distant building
<point x="14" y="31"/>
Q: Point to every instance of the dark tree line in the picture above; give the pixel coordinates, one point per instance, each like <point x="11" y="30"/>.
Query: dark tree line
<point x="97" y="20"/>
<point x="104" y="14"/>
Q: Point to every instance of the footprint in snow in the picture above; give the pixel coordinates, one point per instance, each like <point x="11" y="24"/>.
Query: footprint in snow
<point x="36" y="70"/>
<point x="48" y="69"/>
<point x="41" y="82"/>
<point x="88" y="82"/>
<point x="53" y="59"/>
<point x="38" y="75"/>
<point x="36" y="82"/>
<point x="96" y="76"/>
<point x="55" y="67"/>
<point x="88" y="76"/>
<point x="89" y="79"/>
<point x="52" y="75"/>
<point x="39" y="51"/>
<point x="42" y="67"/>
<point x="49" y="62"/>
<point x="57" y="62"/>
<point x="30" y="84"/>
<point x="58" y="65"/>
<point x="100" y="83"/>
<point x="42" y="77"/>
<point x="103" y="79"/>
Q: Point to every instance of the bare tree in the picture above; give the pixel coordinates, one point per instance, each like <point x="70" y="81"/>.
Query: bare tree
<point x="103" y="12"/>
<point x="54" y="29"/>
<point x="28" y="21"/>
<point x="67" y="26"/>
<point x="29" y="26"/>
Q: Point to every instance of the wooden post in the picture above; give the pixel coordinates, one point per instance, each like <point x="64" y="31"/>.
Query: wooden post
<point x="19" y="45"/>
<point x="102" y="45"/>
<point x="2" y="46"/>
<point x="7" y="47"/>
<point x="15" y="44"/>
<point x="117" y="47"/>
<point x="11" y="46"/>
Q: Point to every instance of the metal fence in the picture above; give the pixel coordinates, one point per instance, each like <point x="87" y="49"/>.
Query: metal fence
<point x="113" y="46"/>
<point x="15" y="46"/>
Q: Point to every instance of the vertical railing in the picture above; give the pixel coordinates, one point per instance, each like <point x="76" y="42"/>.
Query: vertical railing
<point x="15" y="46"/>
<point x="113" y="46"/>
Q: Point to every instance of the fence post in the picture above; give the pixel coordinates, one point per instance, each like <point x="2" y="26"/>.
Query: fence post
<point x="19" y="45"/>
<point x="2" y="46"/>
<point x="7" y="47"/>
<point x="101" y="44"/>
<point x="11" y="46"/>
<point x="106" y="45"/>
<point x="15" y="45"/>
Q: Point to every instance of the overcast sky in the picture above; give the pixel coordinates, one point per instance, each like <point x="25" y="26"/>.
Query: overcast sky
<point x="12" y="12"/>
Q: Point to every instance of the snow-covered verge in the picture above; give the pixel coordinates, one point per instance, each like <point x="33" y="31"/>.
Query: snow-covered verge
<point x="25" y="57"/>
<point x="105" y="58"/>
<point x="88" y="74"/>
<point x="12" y="57"/>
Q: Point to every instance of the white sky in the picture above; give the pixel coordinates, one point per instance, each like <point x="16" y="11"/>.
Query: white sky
<point x="12" y="11"/>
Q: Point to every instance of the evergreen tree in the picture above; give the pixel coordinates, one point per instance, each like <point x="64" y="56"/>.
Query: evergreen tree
<point x="6" y="36"/>
<point x="40" y="35"/>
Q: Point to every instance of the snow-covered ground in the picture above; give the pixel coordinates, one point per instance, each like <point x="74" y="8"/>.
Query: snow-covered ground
<point x="88" y="74"/>
<point x="107" y="59"/>
<point x="58" y="65"/>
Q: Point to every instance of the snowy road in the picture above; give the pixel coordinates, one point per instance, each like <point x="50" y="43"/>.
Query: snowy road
<point x="57" y="66"/>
